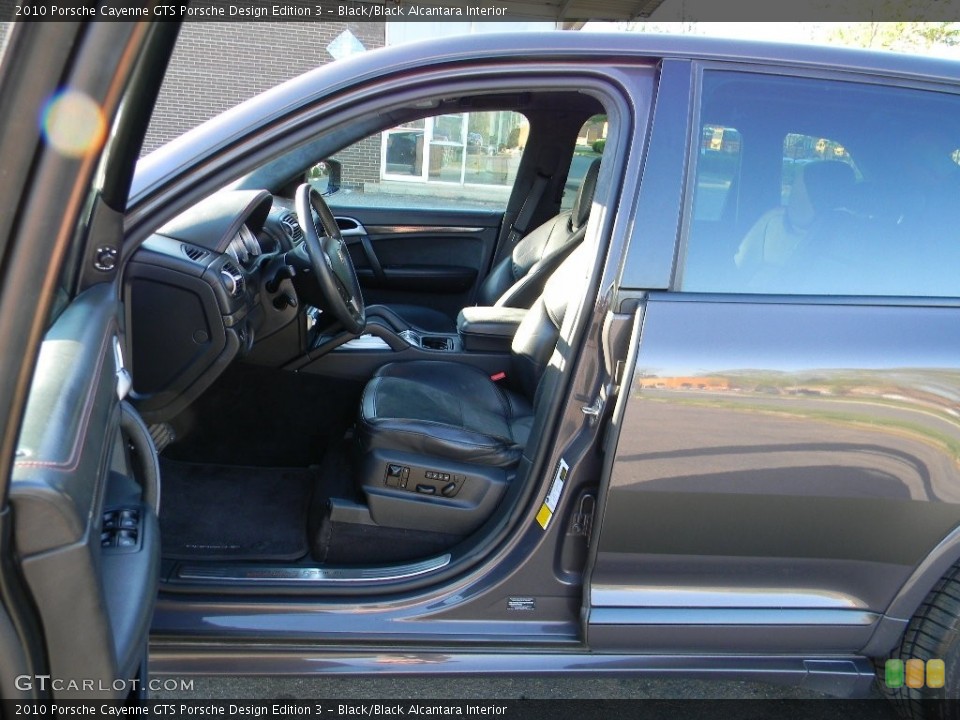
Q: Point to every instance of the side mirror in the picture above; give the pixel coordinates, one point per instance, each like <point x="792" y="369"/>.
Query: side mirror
<point x="325" y="176"/>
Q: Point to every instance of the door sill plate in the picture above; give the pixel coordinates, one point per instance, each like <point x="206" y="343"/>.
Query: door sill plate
<point x="285" y="575"/>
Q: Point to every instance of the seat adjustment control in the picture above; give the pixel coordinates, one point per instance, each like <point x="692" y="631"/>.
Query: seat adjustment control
<point x="419" y="480"/>
<point x="396" y="475"/>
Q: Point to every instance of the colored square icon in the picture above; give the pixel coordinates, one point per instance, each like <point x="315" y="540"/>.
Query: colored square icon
<point x="914" y="673"/>
<point x="893" y="673"/>
<point x="936" y="673"/>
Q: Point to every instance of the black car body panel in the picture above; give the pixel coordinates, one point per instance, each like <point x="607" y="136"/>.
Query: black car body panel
<point x="71" y="470"/>
<point x="743" y="479"/>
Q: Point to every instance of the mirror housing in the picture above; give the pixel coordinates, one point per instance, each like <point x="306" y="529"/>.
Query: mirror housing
<point x="325" y="176"/>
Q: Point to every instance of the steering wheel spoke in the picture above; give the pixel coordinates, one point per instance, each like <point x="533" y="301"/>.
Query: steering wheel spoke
<point x="330" y="260"/>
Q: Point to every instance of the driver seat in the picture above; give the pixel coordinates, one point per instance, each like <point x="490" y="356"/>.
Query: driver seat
<point x="518" y="279"/>
<point x="439" y="441"/>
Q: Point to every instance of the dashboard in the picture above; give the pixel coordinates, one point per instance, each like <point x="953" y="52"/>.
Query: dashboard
<point x="198" y="295"/>
<point x="245" y="247"/>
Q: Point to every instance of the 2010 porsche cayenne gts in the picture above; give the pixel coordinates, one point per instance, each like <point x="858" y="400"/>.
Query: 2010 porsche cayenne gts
<point x="685" y="405"/>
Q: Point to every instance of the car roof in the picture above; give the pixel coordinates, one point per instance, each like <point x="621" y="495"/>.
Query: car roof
<point x="157" y="167"/>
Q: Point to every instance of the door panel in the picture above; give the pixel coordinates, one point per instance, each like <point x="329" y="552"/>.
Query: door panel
<point x="72" y="481"/>
<point x="780" y="472"/>
<point x="63" y="438"/>
<point x="434" y="258"/>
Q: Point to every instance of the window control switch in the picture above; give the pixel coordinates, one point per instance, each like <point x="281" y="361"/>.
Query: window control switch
<point x="120" y="530"/>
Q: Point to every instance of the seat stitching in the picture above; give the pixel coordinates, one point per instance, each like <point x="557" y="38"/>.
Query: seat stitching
<point x="376" y="382"/>
<point x="496" y="391"/>
<point x="504" y="402"/>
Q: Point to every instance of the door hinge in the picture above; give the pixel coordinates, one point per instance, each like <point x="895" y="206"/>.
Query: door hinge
<point x="582" y="522"/>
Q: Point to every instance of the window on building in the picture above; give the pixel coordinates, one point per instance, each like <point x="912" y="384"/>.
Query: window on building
<point x="823" y="188"/>
<point x="449" y="161"/>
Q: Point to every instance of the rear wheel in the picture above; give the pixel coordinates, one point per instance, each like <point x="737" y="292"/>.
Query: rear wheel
<point x="933" y="634"/>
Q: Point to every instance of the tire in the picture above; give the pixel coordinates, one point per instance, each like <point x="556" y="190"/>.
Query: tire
<point x="933" y="632"/>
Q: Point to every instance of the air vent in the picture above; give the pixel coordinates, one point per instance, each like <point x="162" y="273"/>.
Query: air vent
<point x="194" y="253"/>
<point x="291" y="227"/>
<point x="232" y="279"/>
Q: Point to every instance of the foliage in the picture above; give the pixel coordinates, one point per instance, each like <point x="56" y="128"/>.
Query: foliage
<point x="901" y="36"/>
<point x="906" y="28"/>
<point x="598" y="145"/>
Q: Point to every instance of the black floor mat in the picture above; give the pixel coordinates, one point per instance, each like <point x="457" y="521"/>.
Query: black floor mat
<point x="265" y="417"/>
<point x="219" y="512"/>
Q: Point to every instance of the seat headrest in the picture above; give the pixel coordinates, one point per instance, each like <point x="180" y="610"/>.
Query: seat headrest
<point x="817" y="188"/>
<point x="580" y="212"/>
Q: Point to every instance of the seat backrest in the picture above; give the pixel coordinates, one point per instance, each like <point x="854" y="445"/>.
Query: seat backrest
<point x="518" y="280"/>
<point x="536" y="339"/>
<point x="818" y="188"/>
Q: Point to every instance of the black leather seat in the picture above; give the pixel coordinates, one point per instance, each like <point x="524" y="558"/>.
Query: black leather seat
<point x="440" y="441"/>
<point x="515" y="281"/>
<point x="445" y="409"/>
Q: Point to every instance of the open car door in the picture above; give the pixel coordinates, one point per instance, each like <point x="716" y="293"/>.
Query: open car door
<point x="78" y="484"/>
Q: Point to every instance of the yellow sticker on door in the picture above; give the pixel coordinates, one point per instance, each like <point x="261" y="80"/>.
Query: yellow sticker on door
<point x="549" y="507"/>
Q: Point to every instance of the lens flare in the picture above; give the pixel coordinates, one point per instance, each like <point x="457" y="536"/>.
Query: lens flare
<point x="73" y="124"/>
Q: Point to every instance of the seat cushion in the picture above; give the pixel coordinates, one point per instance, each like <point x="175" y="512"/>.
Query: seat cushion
<point x="443" y="409"/>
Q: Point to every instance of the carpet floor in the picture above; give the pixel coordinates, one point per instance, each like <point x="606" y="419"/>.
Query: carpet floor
<point x="219" y="512"/>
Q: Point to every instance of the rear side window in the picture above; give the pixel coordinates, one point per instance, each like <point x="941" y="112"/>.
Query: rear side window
<point x="824" y="188"/>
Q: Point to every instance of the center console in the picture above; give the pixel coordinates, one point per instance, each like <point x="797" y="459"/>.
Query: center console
<point x="489" y="329"/>
<point x="483" y="339"/>
<point x="432" y="341"/>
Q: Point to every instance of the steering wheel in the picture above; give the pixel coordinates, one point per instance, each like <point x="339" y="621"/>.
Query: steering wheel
<point x="330" y="260"/>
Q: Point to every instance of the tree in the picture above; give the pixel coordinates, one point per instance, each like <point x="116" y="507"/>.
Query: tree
<point x="900" y="36"/>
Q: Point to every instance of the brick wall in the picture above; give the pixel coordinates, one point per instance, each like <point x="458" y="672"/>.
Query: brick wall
<point x="218" y="65"/>
<point x="361" y="163"/>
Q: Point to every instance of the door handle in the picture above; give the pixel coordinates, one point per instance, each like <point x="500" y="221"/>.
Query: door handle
<point x="124" y="381"/>
<point x="350" y="227"/>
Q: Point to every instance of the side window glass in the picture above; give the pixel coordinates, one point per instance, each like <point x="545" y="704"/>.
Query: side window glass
<point x="825" y="188"/>
<point x="591" y="140"/>
<point x="458" y="161"/>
